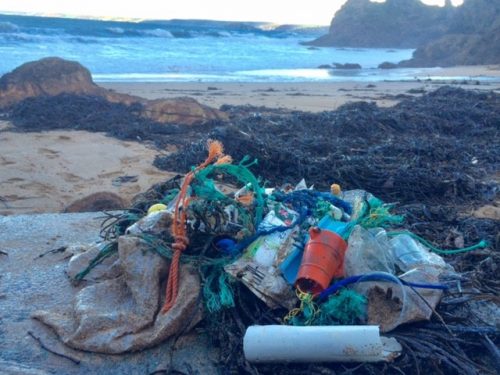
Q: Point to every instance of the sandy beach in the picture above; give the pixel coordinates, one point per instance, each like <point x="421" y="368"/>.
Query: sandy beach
<point x="310" y="96"/>
<point x="47" y="171"/>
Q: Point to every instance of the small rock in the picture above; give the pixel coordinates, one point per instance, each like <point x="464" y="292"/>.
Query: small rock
<point x="387" y="65"/>
<point x="347" y="66"/>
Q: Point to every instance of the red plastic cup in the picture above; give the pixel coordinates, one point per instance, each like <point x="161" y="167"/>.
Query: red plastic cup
<point x="323" y="260"/>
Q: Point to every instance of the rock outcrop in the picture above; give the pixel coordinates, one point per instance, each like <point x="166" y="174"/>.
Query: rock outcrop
<point x="472" y="38"/>
<point x="99" y="201"/>
<point x="53" y="76"/>
<point x="443" y="36"/>
<point x="50" y="76"/>
<point x="394" y="23"/>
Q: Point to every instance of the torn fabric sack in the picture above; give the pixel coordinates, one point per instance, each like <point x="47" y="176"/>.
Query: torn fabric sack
<point x="122" y="314"/>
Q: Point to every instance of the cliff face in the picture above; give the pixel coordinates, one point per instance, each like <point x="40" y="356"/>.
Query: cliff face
<point x="465" y="35"/>
<point x="472" y="38"/>
<point x="394" y="23"/>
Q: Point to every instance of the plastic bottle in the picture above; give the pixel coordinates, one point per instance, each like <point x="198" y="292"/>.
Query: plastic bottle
<point x="409" y="254"/>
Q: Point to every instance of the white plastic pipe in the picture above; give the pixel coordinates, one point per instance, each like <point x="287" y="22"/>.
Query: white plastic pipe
<point x="276" y="343"/>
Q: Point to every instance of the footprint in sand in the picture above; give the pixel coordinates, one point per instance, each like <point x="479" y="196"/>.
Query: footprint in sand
<point x="37" y="187"/>
<point x="130" y="190"/>
<point x="4" y="161"/>
<point x="110" y="174"/>
<point x="70" y="177"/>
<point x="130" y="159"/>
<point x="51" y="154"/>
<point x="12" y="180"/>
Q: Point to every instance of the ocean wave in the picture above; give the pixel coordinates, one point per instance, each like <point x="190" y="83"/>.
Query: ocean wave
<point x="8" y="27"/>
<point x="81" y="39"/>
<point x="159" y="33"/>
<point x="21" y="37"/>
<point x="160" y="77"/>
<point x="116" y="30"/>
<point x="218" y="34"/>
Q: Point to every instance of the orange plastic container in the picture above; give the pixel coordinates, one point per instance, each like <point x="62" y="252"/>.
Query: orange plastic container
<point x="323" y="260"/>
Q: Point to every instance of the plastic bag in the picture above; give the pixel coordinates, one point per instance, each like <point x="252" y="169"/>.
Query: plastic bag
<point x="391" y="304"/>
<point x="258" y="266"/>
<point x="368" y="251"/>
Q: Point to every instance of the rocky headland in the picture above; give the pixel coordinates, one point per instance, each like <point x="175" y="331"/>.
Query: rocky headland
<point x="472" y="38"/>
<point x="443" y="36"/>
<point x="392" y="24"/>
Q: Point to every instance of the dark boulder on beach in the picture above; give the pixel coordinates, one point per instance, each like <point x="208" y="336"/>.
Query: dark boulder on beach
<point x="50" y="76"/>
<point x="387" y="65"/>
<point x="346" y="66"/>
<point x="53" y="76"/>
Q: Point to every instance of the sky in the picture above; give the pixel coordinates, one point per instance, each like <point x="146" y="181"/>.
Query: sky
<point x="310" y="12"/>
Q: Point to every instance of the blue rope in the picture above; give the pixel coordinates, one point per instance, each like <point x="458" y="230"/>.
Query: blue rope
<point x="240" y="246"/>
<point x="309" y="199"/>
<point x="374" y="277"/>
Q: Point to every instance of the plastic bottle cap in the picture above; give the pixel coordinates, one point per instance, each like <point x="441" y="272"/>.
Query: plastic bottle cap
<point x="335" y="189"/>
<point x="156" y="208"/>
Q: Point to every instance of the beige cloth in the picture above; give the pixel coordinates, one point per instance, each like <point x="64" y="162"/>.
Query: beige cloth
<point x="122" y="314"/>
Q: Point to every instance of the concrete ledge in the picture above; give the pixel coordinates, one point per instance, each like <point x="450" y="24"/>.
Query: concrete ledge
<point x="29" y="283"/>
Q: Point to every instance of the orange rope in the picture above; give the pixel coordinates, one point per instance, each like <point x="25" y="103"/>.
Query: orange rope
<point x="181" y="241"/>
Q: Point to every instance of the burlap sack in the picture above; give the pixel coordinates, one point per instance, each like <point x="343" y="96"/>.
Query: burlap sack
<point x="123" y="314"/>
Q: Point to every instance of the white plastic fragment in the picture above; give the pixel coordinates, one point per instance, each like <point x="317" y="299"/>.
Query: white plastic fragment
<point x="279" y="343"/>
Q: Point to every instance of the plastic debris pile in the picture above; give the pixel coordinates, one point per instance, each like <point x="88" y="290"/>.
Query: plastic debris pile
<point x="330" y="269"/>
<point x="332" y="266"/>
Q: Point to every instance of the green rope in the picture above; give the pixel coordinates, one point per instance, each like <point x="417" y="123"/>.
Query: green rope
<point x="217" y="292"/>
<point x="481" y="244"/>
<point x="108" y="250"/>
<point x="172" y="193"/>
<point x="305" y="314"/>
<point x="157" y="246"/>
<point x="345" y="307"/>
<point x="380" y="217"/>
<point x="322" y="209"/>
<point x="375" y="214"/>
<point x="205" y="188"/>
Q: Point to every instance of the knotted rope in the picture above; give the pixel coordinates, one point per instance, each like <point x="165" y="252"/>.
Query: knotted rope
<point x="181" y="241"/>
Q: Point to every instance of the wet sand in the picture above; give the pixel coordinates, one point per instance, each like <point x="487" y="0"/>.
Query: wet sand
<point x="45" y="172"/>
<point x="310" y="96"/>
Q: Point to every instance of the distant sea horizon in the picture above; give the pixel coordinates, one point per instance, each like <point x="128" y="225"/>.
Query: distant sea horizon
<point x="192" y="51"/>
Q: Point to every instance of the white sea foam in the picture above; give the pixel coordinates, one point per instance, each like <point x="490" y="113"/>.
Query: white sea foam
<point x="160" y="33"/>
<point x="116" y="30"/>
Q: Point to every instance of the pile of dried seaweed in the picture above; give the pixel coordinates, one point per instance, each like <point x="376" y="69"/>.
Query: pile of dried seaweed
<point x="442" y="145"/>
<point x="94" y="114"/>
